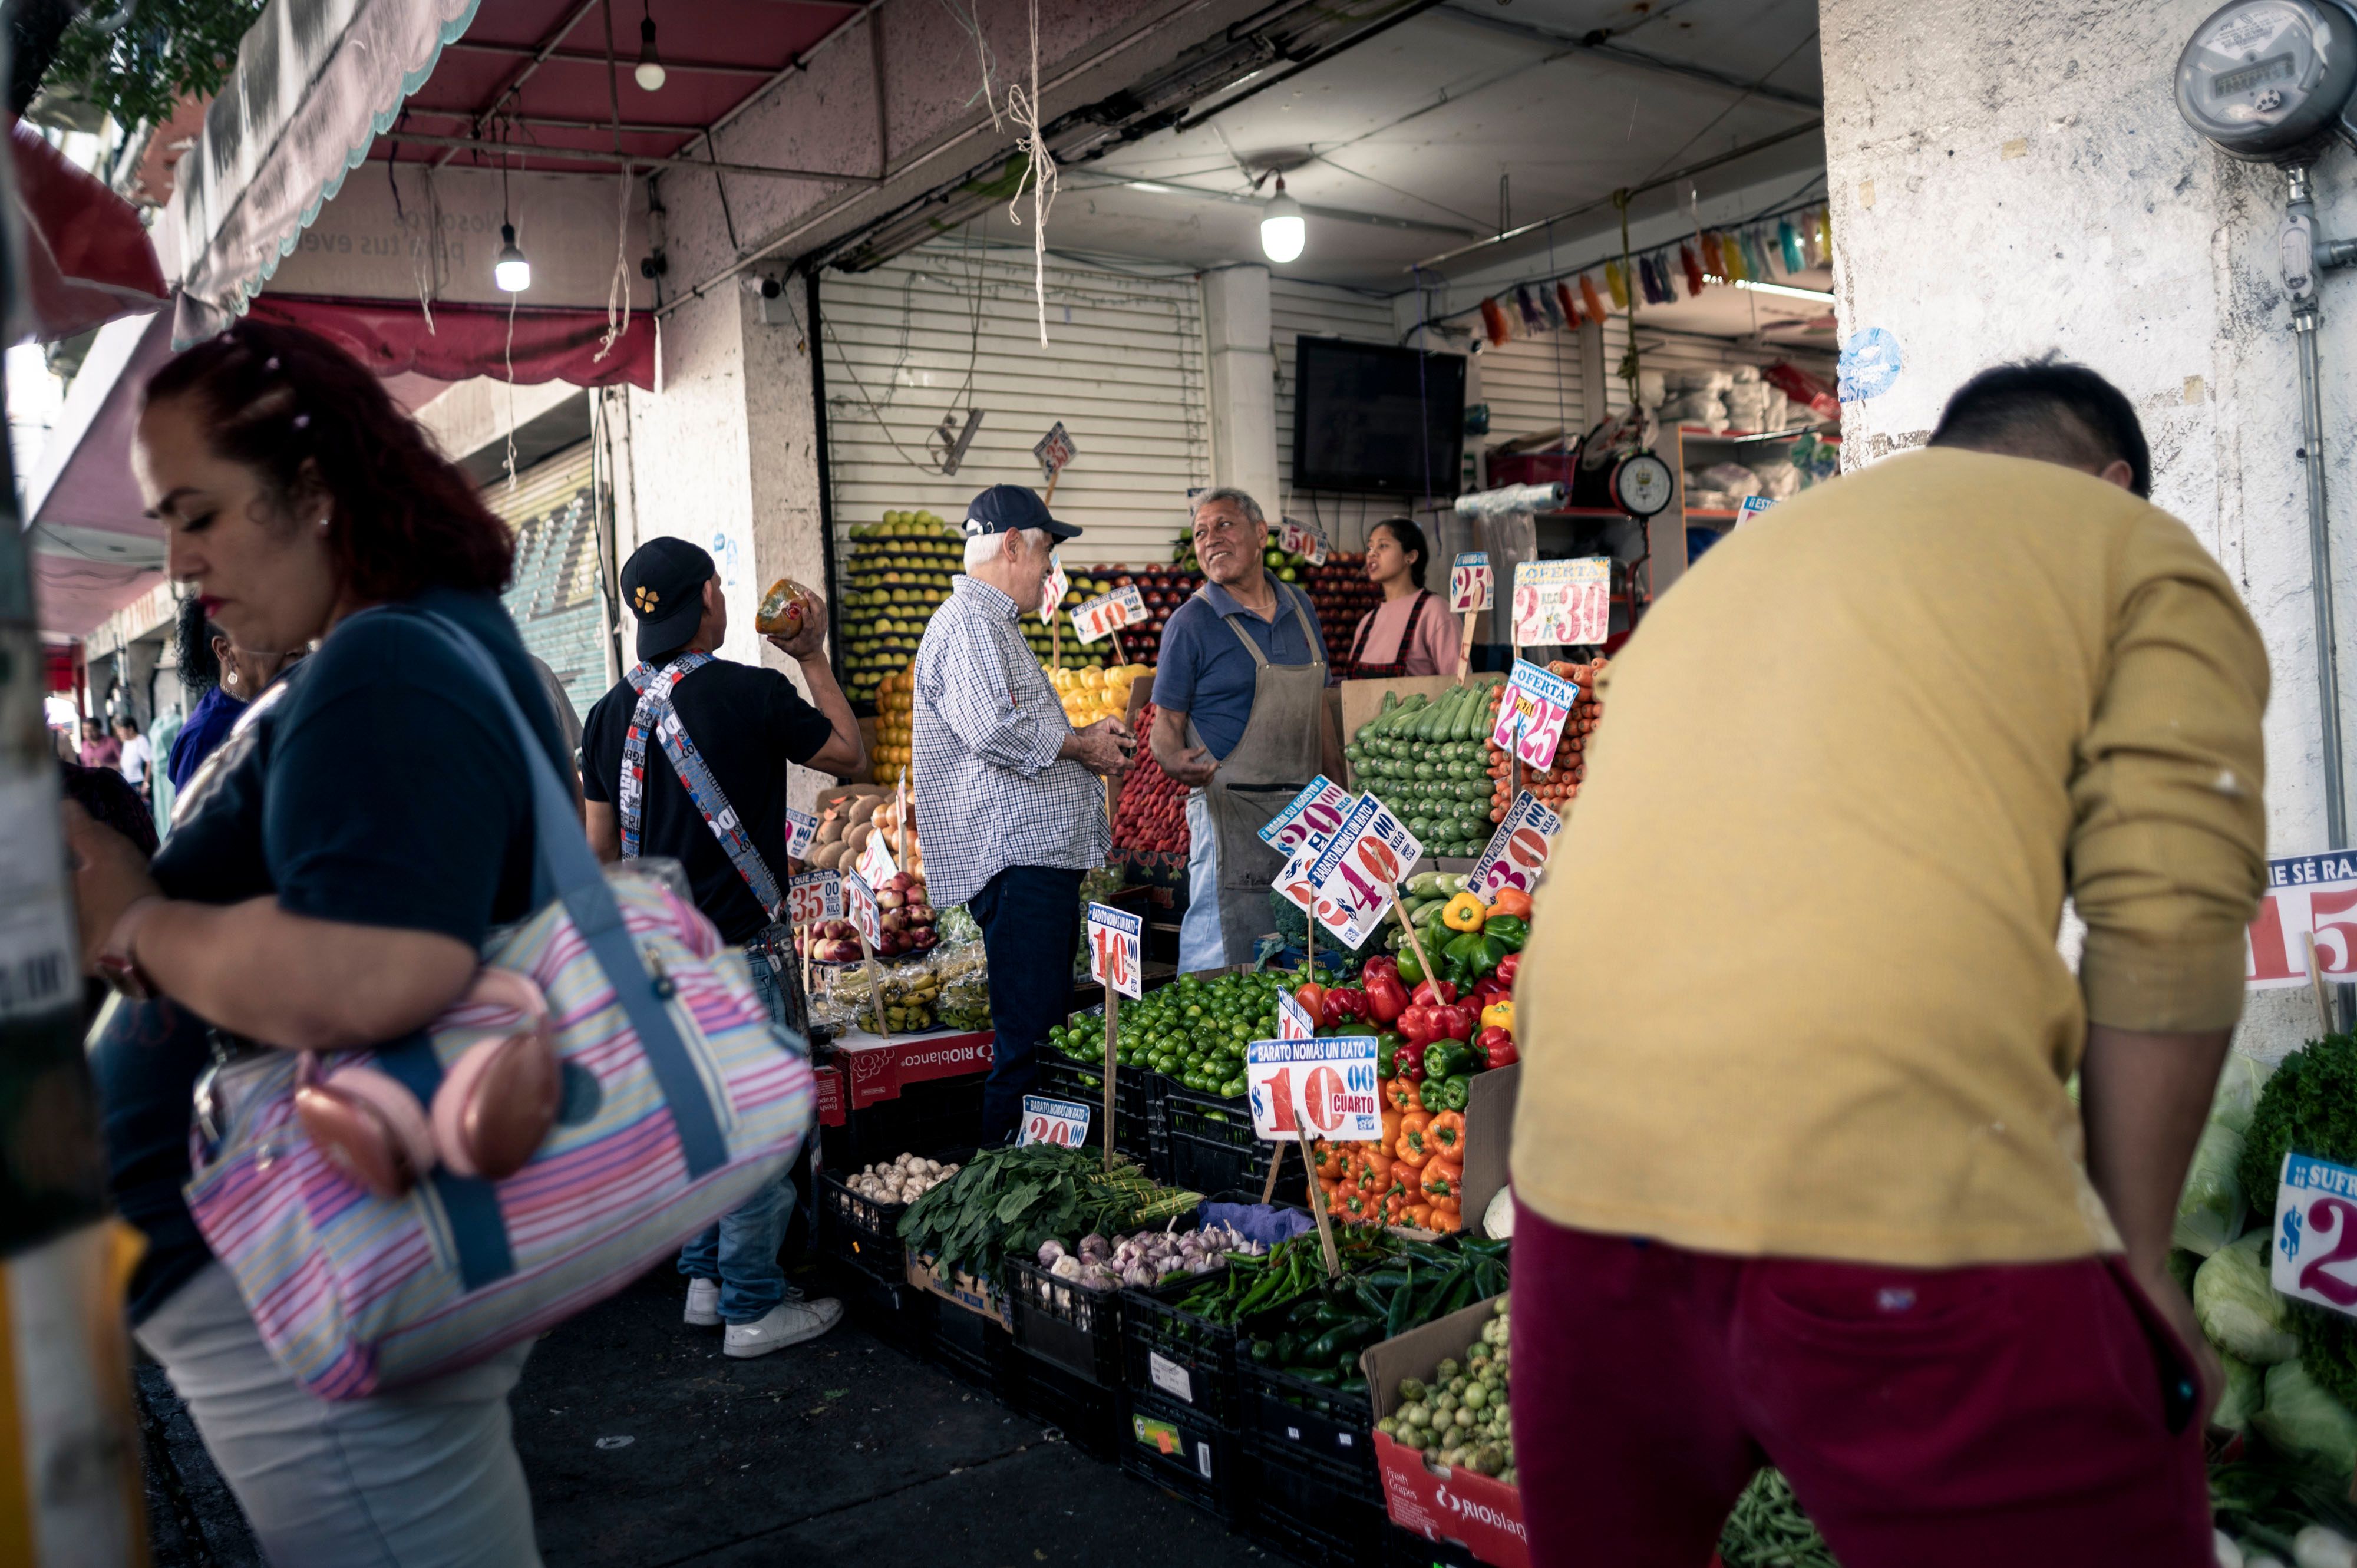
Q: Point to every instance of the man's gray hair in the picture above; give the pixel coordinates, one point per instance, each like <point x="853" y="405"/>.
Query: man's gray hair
<point x="1244" y="503"/>
<point x="987" y="547"/>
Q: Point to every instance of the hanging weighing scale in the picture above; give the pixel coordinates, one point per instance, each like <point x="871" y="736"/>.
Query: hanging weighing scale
<point x="1642" y="485"/>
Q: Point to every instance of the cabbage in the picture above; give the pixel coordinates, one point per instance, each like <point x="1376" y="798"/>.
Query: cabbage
<point x="2211" y="1210"/>
<point x="2239" y="1082"/>
<point x="2240" y="1311"/>
<point x="2301" y="1418"/>
<point x="2245" y="1392"/>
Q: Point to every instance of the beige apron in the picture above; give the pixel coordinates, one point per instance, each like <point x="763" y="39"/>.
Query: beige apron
<point x="1278" y="754"/>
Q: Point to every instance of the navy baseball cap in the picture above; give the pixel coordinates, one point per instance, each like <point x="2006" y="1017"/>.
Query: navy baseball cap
<point x="662" y="583"/>
<point x="1003" y="508"/>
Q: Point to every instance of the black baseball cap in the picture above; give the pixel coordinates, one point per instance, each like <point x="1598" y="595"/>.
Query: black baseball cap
<point x="662" y="583"/>
<point x="1003" y="508"/>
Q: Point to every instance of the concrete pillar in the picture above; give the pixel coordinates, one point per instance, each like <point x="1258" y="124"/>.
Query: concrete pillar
<point x="1242" y="387"/>
<point x="139" y="662"/>
<point x="2013" y="178"/>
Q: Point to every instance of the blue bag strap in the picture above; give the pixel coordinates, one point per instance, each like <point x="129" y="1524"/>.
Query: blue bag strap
<point x="564" y="868"/>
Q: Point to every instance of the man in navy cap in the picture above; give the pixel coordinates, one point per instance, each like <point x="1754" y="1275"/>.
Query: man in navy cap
<point x="743" y="726"/>
<point x="1007" y="793"/>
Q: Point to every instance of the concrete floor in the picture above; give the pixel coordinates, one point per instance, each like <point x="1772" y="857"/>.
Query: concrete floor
<point x="844" y="1450"/>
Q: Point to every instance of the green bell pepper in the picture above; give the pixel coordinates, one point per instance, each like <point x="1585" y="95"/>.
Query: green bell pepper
<point x="1447" y="1059"/>
<point x="1511" y="929"/>
<point x="1446" y="1093"/>
<point x="1411" y="973"/>
<point x="1387" y="1044"/>
<point x="1461" y="959"/>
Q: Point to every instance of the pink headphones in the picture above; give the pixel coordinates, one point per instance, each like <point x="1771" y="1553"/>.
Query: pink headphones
<point x="492" y="1110"/>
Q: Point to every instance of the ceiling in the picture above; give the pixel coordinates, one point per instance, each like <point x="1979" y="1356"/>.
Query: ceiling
<point x="1398" y="147"/>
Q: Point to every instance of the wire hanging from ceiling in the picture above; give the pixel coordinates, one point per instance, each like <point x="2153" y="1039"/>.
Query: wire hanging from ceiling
<point x="618" y="292"/>
<point x="1039" y="174"/>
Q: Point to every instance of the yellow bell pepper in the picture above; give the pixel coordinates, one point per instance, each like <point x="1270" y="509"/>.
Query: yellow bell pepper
<point x="1466" y="912"/>
<point x="1499" y="1015"/>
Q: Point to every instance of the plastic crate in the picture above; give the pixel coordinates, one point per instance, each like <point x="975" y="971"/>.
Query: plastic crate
<point x="933" y="1113"/>
<point x="1322" y="1428"/>
<point x="1184" y="1454"/>
<point x="1176" y="1356"/>
<point x="1060" y="1078"/>
<point x="893" y="1310"/>
<point x="1302" y="1510"/>
<point x="1065" y="1323"/>
<point x="1210" y="1146"/>
<point x="971" y="1347"/>
<point x="1405" y="1549"/>
<point x="1093" y="1419"/>
<point x="862" y="1231"/>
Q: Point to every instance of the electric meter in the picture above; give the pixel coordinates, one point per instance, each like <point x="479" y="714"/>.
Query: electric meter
<point x="2267" y="80"/>
<point x="1643" y="484"/>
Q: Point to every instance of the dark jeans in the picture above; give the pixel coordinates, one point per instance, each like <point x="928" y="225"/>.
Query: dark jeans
<point x="1031" y="919"/>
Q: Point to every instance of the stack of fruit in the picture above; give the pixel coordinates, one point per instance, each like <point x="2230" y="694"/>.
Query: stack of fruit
<point x="897" y="575"/>
<point x="1152" y="818"/>
<point x="1428" y="760"/>
<point x="1558" y="783"/>
<point x="1093" y="693"/>
<point x="1194" y="1029"/>
<point x="1340" y="593"/>
<point x="894" y="707"/>
<point x="1164" y="588"/>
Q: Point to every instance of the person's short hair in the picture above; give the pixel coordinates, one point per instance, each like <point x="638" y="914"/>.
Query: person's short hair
<point x="192" y="647"/>
<point x="2051" y="410"/>
<point x="1411" y="541"/>
<point x="984" y="548"/>
<point x="1248" y="507"/>
<point x="127" y="722"/>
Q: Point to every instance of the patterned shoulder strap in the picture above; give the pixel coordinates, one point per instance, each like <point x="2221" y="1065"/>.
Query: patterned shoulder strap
<point x="654" y="712"/>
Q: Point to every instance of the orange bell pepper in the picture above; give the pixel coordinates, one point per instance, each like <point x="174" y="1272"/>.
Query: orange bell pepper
<point x="1402" y="1094"/>
<point x="1420" y="1216"/>
<point x="1394" y="1205"/>
<point x="1392" y="1120"/>
<point x="1511" y="901"/>
<point x="1329" y="1158"/>
<point x="1414" y="1145"/>
<point x="1446" y="1220"/>
<point x="1376" y="1173"/>
<point x="1447" y="1134"/>
<point x="1441" y="1177"/>
<point x="1354" y="1205"/>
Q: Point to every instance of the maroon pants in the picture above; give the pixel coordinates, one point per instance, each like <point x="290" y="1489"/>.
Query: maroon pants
<point x="1978" y="1418"/>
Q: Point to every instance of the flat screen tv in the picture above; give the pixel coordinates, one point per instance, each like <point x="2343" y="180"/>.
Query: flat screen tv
<point x="1369" y="416"/>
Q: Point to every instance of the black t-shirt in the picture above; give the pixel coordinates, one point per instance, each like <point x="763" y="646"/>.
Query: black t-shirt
<point x="747" y="723"/>
<point x="379" y="784"/>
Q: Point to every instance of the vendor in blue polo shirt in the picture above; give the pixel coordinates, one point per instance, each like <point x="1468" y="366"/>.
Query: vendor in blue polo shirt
<point x="1240" y="699"/>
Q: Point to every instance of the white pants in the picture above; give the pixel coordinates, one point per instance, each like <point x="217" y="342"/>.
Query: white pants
<point x="426" y="1476"/>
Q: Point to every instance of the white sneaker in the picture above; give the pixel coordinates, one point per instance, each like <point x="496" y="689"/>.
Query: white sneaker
<point x="788" y="1323"/>
<point x="702" y="1303"/>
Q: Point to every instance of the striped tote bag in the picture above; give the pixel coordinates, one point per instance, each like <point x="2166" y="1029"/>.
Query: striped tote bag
<point x="680" y="1101"/>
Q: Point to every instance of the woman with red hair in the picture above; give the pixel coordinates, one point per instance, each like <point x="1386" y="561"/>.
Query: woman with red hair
<point x="331" y="874"/>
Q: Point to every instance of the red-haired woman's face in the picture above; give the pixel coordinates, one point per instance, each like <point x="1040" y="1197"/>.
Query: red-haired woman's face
<point x="260" y="564"/>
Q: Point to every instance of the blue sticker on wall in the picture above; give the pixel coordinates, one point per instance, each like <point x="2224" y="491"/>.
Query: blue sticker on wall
<point x="1870" y="362"/>
<point x="724" y="558"/>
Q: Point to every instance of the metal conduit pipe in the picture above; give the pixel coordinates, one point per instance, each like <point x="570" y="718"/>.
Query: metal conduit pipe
<point x="2302" y="258"/>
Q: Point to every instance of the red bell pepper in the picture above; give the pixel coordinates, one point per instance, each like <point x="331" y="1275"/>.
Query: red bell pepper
<point x="1456" y="1023"/>
<point x="1312" y="997"/>
<point x="1434" y="993"/>
<point x="1382" y="964"/>
<point x="1343" y="1005"/>
<point x="1409" y="1060"/>
<point x="1497" y="1047"/>
<point x="1489" y="989"/>
<point x="1386" y="998"/>
<point x="1420" y="1027"/>
<point x="1507" y="966"/>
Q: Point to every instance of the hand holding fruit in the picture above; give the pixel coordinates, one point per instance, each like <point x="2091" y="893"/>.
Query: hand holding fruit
<point x="1103" y="748"/>
<point x="792" y="618"/>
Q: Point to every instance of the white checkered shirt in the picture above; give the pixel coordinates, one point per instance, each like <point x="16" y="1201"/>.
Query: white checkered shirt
<point x="990" y="792"/>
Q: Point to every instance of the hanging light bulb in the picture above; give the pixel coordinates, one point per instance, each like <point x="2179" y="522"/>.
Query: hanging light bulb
<point x="650" y="74"/>
<point x="1283" y="230"/>
<point x="511" y="272"/>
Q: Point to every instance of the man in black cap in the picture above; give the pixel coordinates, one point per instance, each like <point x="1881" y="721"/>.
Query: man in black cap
<point x="742" y="724"/>
<point x="1006" y="791"/>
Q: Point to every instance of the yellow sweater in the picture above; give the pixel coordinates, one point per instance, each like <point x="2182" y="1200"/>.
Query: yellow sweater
<point x="1793" y="987"/>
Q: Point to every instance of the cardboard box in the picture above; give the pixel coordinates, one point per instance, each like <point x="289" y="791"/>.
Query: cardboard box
<point x="828" y="1082"/>
<point x="961" y="1289"/>
<point x="1478" y="1513"/>
<point x="878" y="1066"/>
<point x="1362" y="700"/>
<point x="1489" y="1140"/>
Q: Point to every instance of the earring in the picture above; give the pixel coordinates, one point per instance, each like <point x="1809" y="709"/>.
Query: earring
<point x="325" y="518"/>
<point x="229" y="678"/>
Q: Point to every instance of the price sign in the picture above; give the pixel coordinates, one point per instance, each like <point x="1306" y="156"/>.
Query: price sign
<point x="859" y="903"/>
<point x="1293" y="882"/>
<point x="1114" y="939"/>
<point x="1301" y="539"/>
<point x="1518" y="851"/>
<point x="802" y="828"/>
<point x="876" y="862"/>
<point x="1562" y="601"/>
<point x="1092" y="619"/>
<point x="1355" y="876"/>
<point x="2315" y="1238"/>
<point x="1751" y="508"/>
<point x="2308" y="895"/>
<point x="1531" y="713"/>
<point x="1327" y="1087"/>
<point x="1312" y="815"/>
<point x="1059" y="584"/>
<point x="1054" y="450"/>
<point x="1293" y="1020"/>
<point x="1470" y="583"/>
<point x="1063" y="1122"/>
<point x="814" y="895"/>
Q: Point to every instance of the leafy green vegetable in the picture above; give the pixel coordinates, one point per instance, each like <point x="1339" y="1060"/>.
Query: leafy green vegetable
<point x="2265" y="1498"/>
<point x="2328" y="1349"/>
<point x="2239" y="1310"/>
<point x="2211" y="1210"/>
<point x="2245" y="1392"/>
<point x="2310" y="1105"/>
<point x="1010" y="1200"/>
<point x="1768" y="1529"/>
<point x="2300" y="1418"/>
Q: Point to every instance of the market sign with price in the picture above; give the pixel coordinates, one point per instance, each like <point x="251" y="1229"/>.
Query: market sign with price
<point x="1327" y="1086"/>
<point x="1563" y="602"/>
<point x="2308" y="896"/>
<point x="1108" y="613"/>
<point x="801" y="830"/>
<point x="1299" y="540"/>
<point x="1356" y="876"/>
<point x="1531" y="714"/>
<point x="859" y="902"/>
<point x="1063" y="1122"/>
<point x="1470" y="583"/>
<point x="2314" y="1245"/>
<point x="814" y="895"/>
<point x="1517" y="852"/>
<point x="1113" y="937"/>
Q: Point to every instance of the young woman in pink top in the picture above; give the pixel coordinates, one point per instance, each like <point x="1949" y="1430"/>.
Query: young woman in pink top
<point x="1411" y="626"/>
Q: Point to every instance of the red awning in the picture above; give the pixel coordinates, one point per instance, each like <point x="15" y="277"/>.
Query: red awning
<point x="466" y="340"/>
<point x="87" y="255"/>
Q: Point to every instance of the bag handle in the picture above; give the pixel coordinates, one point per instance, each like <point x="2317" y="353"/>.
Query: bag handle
<point x="564" y="868"/>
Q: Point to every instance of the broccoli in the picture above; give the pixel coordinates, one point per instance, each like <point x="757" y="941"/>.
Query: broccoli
<point x="2310" y="1105"/>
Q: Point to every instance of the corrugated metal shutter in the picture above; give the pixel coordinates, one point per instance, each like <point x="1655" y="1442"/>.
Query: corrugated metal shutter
<point x="1533" y="384"/>
<point x="557" y="599"/>
<point x="1123" y="369"/>
<point x="1299" y="309"/>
